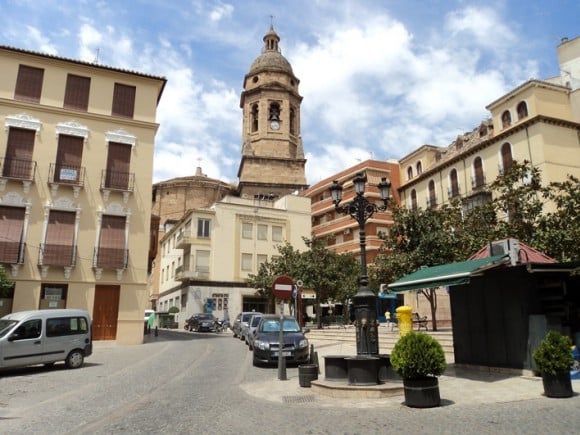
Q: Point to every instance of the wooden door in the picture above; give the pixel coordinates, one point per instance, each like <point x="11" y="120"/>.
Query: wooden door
<point x="105" y="312"/>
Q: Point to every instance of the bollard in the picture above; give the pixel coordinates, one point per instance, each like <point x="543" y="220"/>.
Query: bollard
<point x="156" y="331"/>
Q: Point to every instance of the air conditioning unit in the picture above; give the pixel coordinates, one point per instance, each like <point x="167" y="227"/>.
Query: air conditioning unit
<point x="509" y="247"/>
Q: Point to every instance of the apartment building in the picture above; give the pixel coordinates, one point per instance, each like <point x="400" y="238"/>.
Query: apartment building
<point x="76" y="163"/>
<point x="207" y="256"/>
<point x="342" y="230"/>
<point x="538" y="121"/>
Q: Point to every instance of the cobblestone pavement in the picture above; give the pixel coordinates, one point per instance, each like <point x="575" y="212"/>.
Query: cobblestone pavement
<point x="186" y="383"/>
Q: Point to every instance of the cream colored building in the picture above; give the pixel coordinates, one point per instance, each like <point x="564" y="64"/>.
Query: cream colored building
<point x="538" y="121"/>
<point x="207" y="256"/>
<point x="75" y="187"/>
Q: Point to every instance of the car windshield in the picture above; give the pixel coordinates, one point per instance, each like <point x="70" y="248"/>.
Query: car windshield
<point x="206" y="317"/>
<point x="273" y="325"/>
<point x="246" y="317"/>
<point x="5" y="326"/>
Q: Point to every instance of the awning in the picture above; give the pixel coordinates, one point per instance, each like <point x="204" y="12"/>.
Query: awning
<point x="446" y="274"/>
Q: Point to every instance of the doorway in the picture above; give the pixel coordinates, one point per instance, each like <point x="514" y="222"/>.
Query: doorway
<point x="106" y="312"/>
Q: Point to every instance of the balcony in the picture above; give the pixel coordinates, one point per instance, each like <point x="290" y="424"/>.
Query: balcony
<point x="431" y="202"/>
<point x="115" y="181"/>
<point x="478" y="182"/>
<point x="453" y="192"/>
<point x="64" y="256"/>
<point x="12" y="252"/>
<point x="66" y="175"/>
<point x="184" y="240"/>
<point x="185" y="275"/>
<point x="17" y="170"/>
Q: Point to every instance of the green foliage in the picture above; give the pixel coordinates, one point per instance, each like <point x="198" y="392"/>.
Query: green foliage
<point x="554" y="354"/>
<point x="173" y="310"/>
<point x="417" y="355"/>
<point x="6" y="284"/>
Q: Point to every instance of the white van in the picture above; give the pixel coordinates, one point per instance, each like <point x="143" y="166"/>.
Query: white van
<point x="45" y="337"/>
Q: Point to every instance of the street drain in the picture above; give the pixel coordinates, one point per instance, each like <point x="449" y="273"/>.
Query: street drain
<point x="298" y="399"/>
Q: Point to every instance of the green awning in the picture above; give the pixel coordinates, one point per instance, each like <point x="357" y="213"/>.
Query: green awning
<point x="446" y="274"/>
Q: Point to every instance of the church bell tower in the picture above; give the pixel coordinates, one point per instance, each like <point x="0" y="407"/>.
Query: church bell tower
<point x="273" y="160"/>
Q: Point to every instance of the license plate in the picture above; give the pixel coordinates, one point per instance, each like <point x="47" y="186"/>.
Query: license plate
<point x="285" y="353"/>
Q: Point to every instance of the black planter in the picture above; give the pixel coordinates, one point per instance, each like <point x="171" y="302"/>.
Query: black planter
<point x="306" y="374"/>
<point x="422" y="393"/>
<point x="559" y="385"/>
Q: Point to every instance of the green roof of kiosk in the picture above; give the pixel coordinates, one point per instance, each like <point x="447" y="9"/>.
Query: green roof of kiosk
<point x="446" y="274"/>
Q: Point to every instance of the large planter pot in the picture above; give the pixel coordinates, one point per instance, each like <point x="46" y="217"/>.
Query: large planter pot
<point x="306" y="374"/>
<point x="422" y="393"/>
<point x="559" y="385"/>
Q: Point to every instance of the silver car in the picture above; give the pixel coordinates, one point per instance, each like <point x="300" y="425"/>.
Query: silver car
<point x="248" y="331"/>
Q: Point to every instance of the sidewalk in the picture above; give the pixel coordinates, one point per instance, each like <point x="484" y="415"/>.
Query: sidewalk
<point x="461" y="386"/>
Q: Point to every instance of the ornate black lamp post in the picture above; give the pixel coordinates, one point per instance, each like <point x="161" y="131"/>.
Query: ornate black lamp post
<point x="365" y="301"/>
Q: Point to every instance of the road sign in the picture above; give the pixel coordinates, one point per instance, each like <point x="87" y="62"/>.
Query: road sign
<point x="283" y="286"/>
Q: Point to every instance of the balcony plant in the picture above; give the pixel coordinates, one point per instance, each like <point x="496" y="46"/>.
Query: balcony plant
<point x="419" y="359"/>
<point x="554" y="359"/>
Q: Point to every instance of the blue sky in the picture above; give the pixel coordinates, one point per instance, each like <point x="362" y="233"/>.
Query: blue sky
<point x="379" y="77"/>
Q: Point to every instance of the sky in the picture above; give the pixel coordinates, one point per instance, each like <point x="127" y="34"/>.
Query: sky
<point x="379" y="78"/>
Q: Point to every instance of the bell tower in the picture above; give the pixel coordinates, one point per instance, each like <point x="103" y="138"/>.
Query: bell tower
<point x="273" y="160"/>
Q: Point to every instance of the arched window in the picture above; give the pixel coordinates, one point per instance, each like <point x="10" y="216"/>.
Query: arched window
<point x="478" y="176"/>
<point x="506" y="119"/>
<point x="419" y="168"/>
<point x="506" y="157"/>
<point x="453" y="184"/>
<point x="522" y="110"/>
<point x="254" y="117"/>
<point x="413" y="199"/>
<point x="409" y="172"/>
<point x="274" y="112"/>
<point x="432" y="200"/>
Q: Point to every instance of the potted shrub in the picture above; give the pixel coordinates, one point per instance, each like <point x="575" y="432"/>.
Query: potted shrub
<point x="553" y="358"/>
<point x="419" y="359"/>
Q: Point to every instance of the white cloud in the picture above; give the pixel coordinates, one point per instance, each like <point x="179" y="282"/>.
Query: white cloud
<point x="221" y="11"/>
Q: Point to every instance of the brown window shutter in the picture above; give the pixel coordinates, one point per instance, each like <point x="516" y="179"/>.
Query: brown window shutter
<point x="112" y="242"/>
<point x="18" y="158"/>
<point x="124" y="100"/>
<point x="68" y="158"/>
<point x="59" y="242"/>
<point x="76" y="95"/>
<point x="11" y="226"/>
<point x="118" y="165"/>
<point x="29" y="84"/>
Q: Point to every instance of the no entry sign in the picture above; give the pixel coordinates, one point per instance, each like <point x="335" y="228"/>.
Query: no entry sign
<point x="283" y="286"/>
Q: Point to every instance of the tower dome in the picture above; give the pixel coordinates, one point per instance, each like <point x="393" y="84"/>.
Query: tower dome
<point x="271" y="57"/>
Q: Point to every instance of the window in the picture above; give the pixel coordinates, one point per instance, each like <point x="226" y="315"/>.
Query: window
<point x="247" y="262"/>
<point x="522" y="110"/>
<point x="76" y="94"/>
<point x="432" y="199"/>
<point x="419" y="168"/>
<point x="262" y="232"/>
<point x="29" y="330"/>
<point x="454" y="185"/>
<point x="29" y="84"/>
<point x="69" y="156"/>
<point x="58" y="248"/>
<point x="276" y="233"/>
<point x="292" y="121"/>
<point x="254" y="117"/>
<point x="53" y="294"/>
<point x="112" y="253"/>
<point x="11" y="231"/>
<point x="274" y="112"/>
<point x="124" y="100"/>
<point x="18" y="160"/>
<point x="506" y="157"/>
<point x="220" y="301"/>
<point x="506" y="119"/>
<point x="202" y="263"/>
<point x="413" y="199"/>
<point x="118" y="165"/>
<point x="261" y="259"/>
<point x="478" y="176"/>
<point x="60" y="326"/>
<point x="203" y="228"/>
<point x="409" y="172"/>
<point x="247" y="230"/>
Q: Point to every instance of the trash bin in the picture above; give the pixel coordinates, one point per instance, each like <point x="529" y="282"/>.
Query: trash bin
<point x="306" y="374"/>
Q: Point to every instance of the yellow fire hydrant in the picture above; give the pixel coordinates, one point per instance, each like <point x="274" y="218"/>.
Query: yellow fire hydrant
<point x="404" y="319"/>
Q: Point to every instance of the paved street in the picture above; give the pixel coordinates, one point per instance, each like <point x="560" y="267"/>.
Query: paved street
<point x="182" y="383"/>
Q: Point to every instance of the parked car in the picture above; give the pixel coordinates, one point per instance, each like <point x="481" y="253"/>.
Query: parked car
<point x="240" y="320"/>
<point x="202" y="322"/>
<point x="248" y="331"/>
<point x="267" y="340"/>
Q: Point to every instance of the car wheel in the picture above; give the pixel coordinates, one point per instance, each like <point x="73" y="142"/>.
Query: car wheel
<point x="75" y="359"/>
<point x="255" y="362"/>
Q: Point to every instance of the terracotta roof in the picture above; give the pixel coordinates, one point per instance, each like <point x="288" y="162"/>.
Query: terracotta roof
<point x="527" y="254"/>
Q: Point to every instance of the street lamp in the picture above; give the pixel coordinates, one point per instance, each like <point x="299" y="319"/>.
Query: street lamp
<point x="365" y="301"/>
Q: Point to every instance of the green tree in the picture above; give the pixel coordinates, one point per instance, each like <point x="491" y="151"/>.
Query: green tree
<point x="333" y="276"/>
<point x="6" y="284"/>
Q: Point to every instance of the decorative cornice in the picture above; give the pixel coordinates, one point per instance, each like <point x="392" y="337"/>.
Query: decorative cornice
<point x="121" y="136"/>
<point x="22" y="121"/>
<point x="72" y="128"/>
